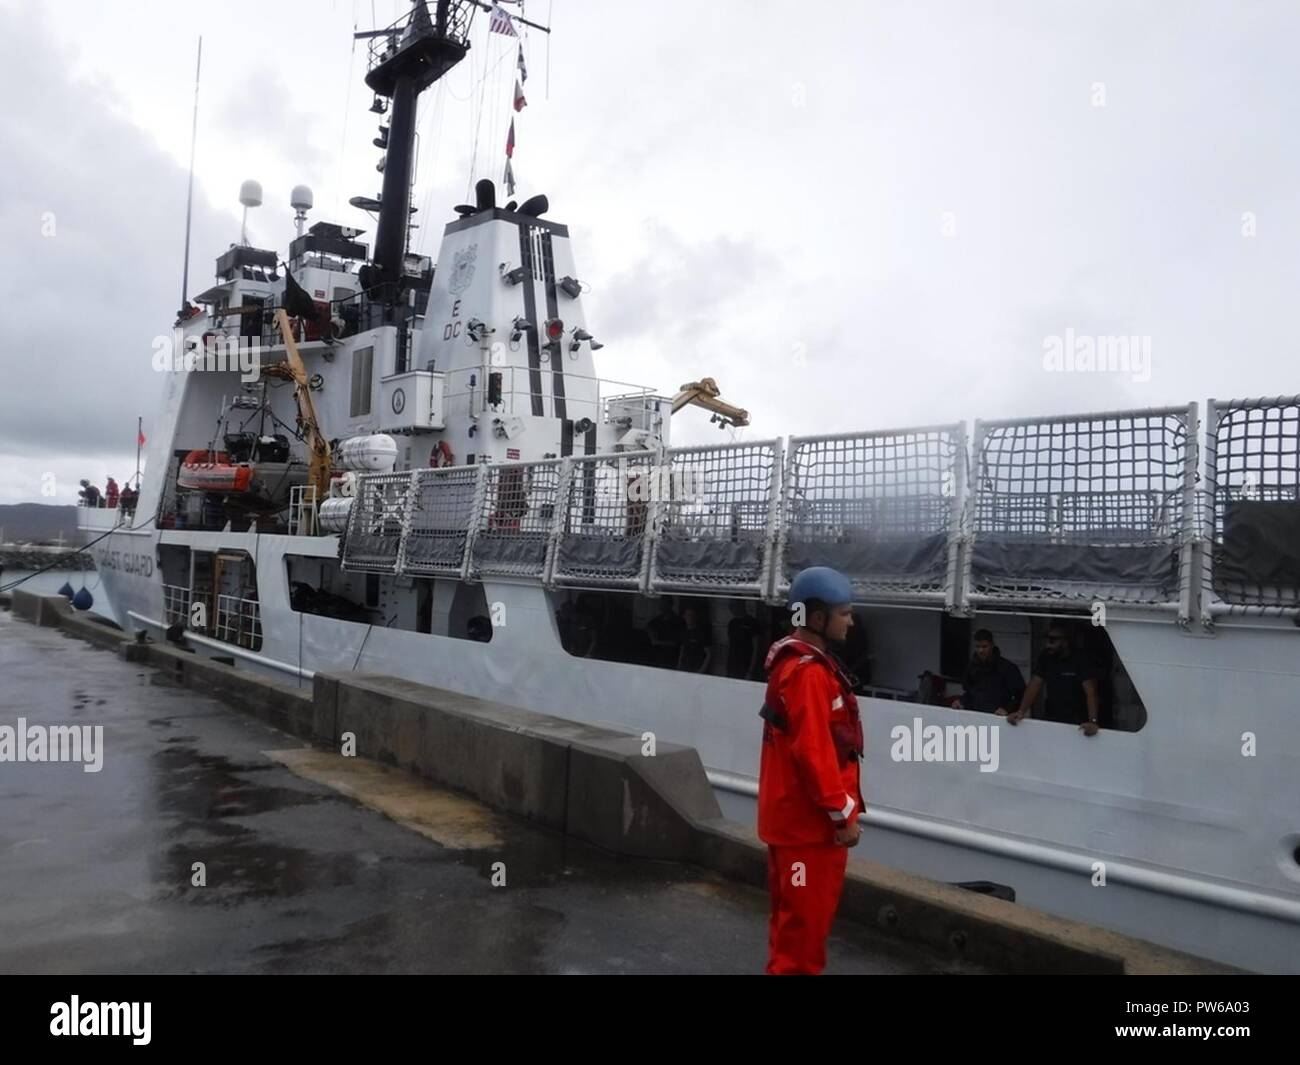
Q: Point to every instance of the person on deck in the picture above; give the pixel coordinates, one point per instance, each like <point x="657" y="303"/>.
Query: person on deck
<point x="809" y="784"/>
<point x="1072" y="693"/>
<point x="992" y="684"/>
<point x="666" y="633"/>
<point x="697" y="640"/>
<point x="743" y="646"/>
<point x="110" y="494"/>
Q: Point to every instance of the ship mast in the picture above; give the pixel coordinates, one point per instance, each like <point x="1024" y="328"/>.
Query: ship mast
<point x="405" y="59"/>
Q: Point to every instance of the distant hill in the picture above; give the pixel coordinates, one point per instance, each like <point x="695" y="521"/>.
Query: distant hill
<point x="38" y="522"/>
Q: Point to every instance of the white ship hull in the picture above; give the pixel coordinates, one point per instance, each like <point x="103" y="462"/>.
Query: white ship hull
<point x="1194" y="857"/>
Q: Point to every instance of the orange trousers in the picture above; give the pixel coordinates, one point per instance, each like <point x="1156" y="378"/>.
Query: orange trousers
<point x="805" y="882"/>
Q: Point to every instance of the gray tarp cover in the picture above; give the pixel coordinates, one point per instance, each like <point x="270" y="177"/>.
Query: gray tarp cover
<point x="1261" y="545"/>
<point x="446" y="550"/>
<point x="1153" y="566"/>
<point x="510" y="550"/>
<point x="599" y="553"/>
<point x="916" y="558"/>
<point x="680" y="558"/>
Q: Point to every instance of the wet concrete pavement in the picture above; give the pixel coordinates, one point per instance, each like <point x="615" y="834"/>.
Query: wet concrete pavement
<point x="315" y="863"/>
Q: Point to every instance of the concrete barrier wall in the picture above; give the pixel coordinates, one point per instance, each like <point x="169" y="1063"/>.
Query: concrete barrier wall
<point x="592" y="783"/>
<point x="602" y="787"/>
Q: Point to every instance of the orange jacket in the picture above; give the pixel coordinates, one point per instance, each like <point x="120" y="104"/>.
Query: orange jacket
<point x="809" y="783"/>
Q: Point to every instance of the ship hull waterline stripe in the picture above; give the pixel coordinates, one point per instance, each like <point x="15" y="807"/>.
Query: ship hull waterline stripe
<point x="1246" y="901"/>
<point x="225" y="648"/>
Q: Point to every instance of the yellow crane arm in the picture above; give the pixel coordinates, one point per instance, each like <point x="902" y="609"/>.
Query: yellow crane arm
<point x="292" y="369"/>
<point x="705" y="394"/>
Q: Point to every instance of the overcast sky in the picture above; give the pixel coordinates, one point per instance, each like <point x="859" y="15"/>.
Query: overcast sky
<point x="860" y="215"/>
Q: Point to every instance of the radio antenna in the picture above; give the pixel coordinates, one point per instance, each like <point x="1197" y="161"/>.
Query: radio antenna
<point x="189" y="196"/>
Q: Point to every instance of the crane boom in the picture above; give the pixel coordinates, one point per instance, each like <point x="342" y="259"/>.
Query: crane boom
<point x="292" y="369"/>
<point x="705" y="393"/>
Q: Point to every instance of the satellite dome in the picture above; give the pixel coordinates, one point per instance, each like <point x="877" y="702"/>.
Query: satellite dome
<point x="300" y="198"/>
<point x="250" y="193"/>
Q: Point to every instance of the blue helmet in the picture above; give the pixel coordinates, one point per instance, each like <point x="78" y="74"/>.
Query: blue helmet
<point x="821" y="583"/>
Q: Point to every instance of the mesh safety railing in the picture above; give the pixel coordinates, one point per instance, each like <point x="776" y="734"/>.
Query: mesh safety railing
<point x="604" y="518"/>
<point x="1252" y="497"/>
<point x="516" y="515"/>
<point x="716" y="509"/>
<point x="376" y="522"/>
<point x="881" y="507"/>
<point x="441" y="516"/>
<point x="1094" y="506"/>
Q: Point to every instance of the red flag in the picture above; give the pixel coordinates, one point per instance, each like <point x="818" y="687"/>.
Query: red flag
<point x="510" y="141"/>
<point x="520" y="102"/>
<point x="139" y="440"/>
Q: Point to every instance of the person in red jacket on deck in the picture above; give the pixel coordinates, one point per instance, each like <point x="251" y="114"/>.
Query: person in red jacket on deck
<point x="809" y="786"/>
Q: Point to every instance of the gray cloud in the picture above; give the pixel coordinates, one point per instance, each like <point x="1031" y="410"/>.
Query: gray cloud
<point x="795" y="174"/>
<point x="85" y="301"/>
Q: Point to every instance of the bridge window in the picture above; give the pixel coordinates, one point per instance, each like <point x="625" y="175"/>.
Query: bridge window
<point x="362" y="364"/>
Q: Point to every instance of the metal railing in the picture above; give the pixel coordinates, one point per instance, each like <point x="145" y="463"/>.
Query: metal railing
<point x="883" y="507"/>
<point x="716" y="510"/>
<point x="440" y="521"/>
<point x="1083" y="508"/>
<point x="516" y="511"/>
<point x="238" y="621"/>
<point x="1251" y="514"/>
<point x="555" y="388"/>
<point x="302" y="510"/>
<point x="382" y="46"/>
<point x="603" y="521"/>
<point x="176" y="604"/>
<point x="378" y="521"/>
<point x="1059" y="513"/>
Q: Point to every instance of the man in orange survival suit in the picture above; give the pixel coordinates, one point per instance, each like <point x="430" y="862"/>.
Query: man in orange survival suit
<point x="809" y="795"/>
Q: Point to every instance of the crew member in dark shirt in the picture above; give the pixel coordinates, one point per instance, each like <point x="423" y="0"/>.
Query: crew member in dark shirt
<point x="742" y="644"/>
<point x="1071" y="685"/>
<point x="697" y="641"/>
<point x="992" y="684"/>
<point x="665" y="632"/>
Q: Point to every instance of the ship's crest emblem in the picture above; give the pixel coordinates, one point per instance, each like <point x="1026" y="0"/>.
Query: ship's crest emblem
<point x="462" y="270"/>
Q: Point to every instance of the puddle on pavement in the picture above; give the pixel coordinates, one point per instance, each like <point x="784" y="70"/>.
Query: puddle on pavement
<point x="455" y="822"/>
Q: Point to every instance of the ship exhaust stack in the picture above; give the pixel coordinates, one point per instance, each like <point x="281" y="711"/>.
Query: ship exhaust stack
<point x="405" y="59"/>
